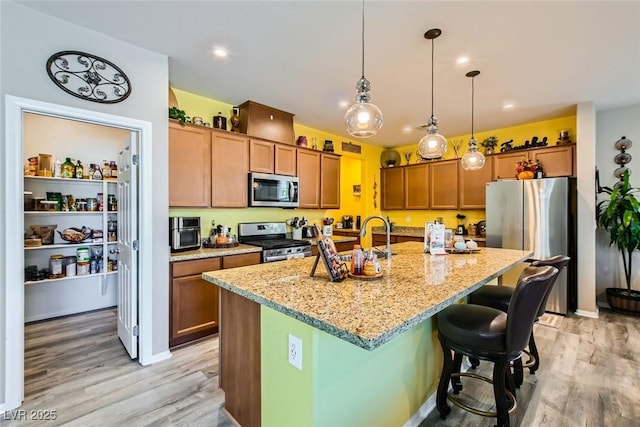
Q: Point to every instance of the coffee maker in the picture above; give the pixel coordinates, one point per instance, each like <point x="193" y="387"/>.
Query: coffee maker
<point x="347" y="221"/>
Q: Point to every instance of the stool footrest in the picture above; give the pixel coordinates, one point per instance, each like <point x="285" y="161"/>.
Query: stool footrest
<point x="460" y="404"/>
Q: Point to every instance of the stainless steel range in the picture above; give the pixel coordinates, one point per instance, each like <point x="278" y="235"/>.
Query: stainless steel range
<point x="272" y="238"/>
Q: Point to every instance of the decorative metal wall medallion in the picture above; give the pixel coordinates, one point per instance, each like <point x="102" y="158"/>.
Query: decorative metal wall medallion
<point x="88" y="77"/>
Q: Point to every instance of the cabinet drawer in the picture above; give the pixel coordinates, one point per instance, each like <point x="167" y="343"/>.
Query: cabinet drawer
<point x="241" y="260"/>
<point x="198" y="266"/>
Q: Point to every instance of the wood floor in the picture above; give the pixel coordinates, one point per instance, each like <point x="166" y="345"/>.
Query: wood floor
<point x="76" y="366"/>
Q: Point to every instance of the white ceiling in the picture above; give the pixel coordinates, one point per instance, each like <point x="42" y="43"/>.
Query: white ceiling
<point x="304" y="57"/>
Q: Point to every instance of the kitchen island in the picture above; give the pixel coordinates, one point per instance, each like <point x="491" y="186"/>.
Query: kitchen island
<point x="369" y="349"/>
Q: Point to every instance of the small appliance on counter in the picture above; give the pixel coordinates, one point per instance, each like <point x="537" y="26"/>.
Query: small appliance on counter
<point x="184" y="233"/>
<point x="347" y="221"/>
<point x="309" y="232"/>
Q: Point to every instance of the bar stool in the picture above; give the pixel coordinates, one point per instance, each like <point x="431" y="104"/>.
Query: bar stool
<point x="489" y="334"/>
<point x="500" y="296"/>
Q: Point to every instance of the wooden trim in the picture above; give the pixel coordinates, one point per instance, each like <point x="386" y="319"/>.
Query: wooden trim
<point x="240" y="358"/>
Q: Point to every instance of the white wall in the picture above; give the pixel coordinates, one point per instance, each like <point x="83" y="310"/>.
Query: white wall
<point x="27" y="39"/>
<point x="611" y="126"/>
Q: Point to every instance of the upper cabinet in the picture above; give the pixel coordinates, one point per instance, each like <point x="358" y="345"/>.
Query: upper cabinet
<point x="329" y="181"/>
<point x="286" y="160"/>
<point x="472" y="186"/>
<point x="229" y="171"/>
<point x="271" y="157"/>
<point x="265" y="122"/>
<point x="391" y="188"/>
<point x="443" y="184"/>
<point x="416" y="186"/>
<point x="189" y="166"/>
<point x="557" y="160"/>
<point x="309" y="176"/>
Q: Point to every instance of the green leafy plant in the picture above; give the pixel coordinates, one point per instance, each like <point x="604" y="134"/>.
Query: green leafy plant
<point x="490" y="142"/>
<point x="177" y="114"/>
<point x="620" y="215"/>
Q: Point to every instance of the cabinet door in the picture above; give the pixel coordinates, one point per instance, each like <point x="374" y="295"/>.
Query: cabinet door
<point x="285" y="163"/>
<point x="391" y="188"/>
<point x="329" y="182"/>
<point x="309" y="176"/>
<point x="472" y="187"/>
<point x="261" y="156"/>
<point x="240" y="260"/>
<point x="189" y="166"/>
<point x="194" y="309"/>
<point x="555" y="161"/>
<point x="229" y="172"/>
<point x="504" y="164"/>
<point x="416" y="186"/>
<point x="443" y="184"/>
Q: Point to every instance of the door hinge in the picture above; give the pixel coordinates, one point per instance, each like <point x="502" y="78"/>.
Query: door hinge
<point x="135" y="245"/>
<point x="135" y="330"/>
<point x="135" y="160"/>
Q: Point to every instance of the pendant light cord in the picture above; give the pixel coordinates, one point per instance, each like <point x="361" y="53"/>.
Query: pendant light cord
<point x="473" y="91"/>
<point x="432" y="49"/>
<point x="363" y="39"/>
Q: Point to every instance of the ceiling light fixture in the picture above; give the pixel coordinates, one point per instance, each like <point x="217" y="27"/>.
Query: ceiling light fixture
<point x="220" y="52"/>
<point x="363" y="119"/>
<point x="462" y="60"/>
<point x="432" y="145"/>
<point x="473" y="159"/>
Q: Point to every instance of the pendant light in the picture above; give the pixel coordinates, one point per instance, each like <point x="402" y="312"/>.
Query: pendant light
<point x="473" y="159"/>
<point x="363" y="119"/>
<point x="432" y="145"/>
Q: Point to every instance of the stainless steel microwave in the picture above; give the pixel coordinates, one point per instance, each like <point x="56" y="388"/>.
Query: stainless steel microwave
<point x="184" y="233"/>
<point x="273" y="190"/>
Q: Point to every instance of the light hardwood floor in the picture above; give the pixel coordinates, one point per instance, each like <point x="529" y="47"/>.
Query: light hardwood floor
<point x="590" y="376"/>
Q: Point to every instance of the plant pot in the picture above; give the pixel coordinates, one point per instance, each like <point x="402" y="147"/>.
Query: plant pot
<point x="624" y="301"/>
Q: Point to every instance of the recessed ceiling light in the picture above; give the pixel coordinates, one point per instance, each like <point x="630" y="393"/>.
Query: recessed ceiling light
<point x="462" y="60"/>
<point x="343" y="104"/>
<point x="407" y="129"/>
<point x="508" y="106"/>
<point x="220" y="52"/>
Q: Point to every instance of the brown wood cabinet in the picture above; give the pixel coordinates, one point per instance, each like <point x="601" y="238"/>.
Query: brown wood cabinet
<point x="329" y="181"/>
<point x="416" y="185"/>
<point x="194" y="311"/>
<point x="194" y="301"/>
<point x="309" y="175"/>
<point x="391" y="188"/>
<point x="557" y="160"/>
<point x="472" y="186"/>
<point x="340" y="247"/>
<point x="189" y="166"/>
<point x="443" y="184"/>
<point x="229" y="172"/>
<point x="261" y="155"/>
<point x="355" y="234"/>
<point x="285" y="161"/>
<point x="266" y="122"/>
<point x="381" y="239"/>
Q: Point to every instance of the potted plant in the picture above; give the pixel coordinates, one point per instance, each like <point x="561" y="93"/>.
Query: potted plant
<point x="620" y="215"/>
<point x="175" y="113"/>
<point x="489" y="144"/>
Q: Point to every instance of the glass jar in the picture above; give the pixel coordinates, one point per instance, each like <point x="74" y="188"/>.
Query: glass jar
<point x="55" y="267"/>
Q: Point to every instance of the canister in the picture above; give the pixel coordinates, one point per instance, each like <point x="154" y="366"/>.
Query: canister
<point x="92" y="204"/>
<point x="83" y="268"/>
<point x="82" y="255"/>
<point x="93" y="266"/>
<point x="70" y="265"/>
<point x="55" y="266"/>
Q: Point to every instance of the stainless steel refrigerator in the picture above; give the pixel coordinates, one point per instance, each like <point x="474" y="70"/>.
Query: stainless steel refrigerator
<point x="537" y="215"/>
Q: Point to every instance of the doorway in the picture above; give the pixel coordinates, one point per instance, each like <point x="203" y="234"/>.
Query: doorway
<point x="14" y="291"/>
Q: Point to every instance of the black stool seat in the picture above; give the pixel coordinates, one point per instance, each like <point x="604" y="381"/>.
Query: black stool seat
<point x="474" y="326"/>
<point x="492" y="296"/>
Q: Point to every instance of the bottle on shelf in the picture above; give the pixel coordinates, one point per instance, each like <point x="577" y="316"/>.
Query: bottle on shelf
<point x="357" y="261"/>
<point x="106" y="169"/>
<point x="539" y="173"/>
<point x="114" y="169"/>
<point x="68" y="169"/>
<point x="57" y="168"/>
<point x="78" y="170"/>
<point x="97" y="173"/>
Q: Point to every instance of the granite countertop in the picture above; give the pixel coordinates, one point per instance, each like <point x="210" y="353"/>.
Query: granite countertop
<point x="416" y="232"/>
<point x="213" y="252"/>
<point x="415" y="286"/>
<point x="336" y="239"/>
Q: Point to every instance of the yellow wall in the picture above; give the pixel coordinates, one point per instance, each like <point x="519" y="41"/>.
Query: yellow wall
<point x="363" y="169"/>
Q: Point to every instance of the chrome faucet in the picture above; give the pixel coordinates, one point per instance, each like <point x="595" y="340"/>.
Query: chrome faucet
<point x="387" y="226"/>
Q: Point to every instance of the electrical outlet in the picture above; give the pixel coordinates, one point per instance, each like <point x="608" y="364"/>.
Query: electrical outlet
<point x="295" y="351"/>
<point x="408" y="219"/>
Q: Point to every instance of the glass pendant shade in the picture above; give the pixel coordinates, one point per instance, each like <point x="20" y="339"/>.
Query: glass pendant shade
<point x="432" y="145"/>
<point x="473" y="159"/>
<point x="363" y="119"/>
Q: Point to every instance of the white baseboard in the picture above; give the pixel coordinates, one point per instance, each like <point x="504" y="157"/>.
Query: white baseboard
<point x="591" y="314"/>
<point x="159" y="357"/>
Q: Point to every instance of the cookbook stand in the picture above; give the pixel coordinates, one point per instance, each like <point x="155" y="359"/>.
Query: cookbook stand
<point x="336" y="268"/>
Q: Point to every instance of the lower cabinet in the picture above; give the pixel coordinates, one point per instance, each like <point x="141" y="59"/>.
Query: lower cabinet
<point x="194" y="311"/>
<point x="340" y="247"/>
<point x="381" y="239"/>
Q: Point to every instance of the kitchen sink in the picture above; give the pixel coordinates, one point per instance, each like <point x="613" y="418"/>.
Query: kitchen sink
<point x="379" y="252"/>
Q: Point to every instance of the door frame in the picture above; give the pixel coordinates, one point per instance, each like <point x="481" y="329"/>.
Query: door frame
<point x="13" y="243"/>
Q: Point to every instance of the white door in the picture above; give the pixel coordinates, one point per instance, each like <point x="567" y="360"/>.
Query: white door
<point x="128" y="247"/>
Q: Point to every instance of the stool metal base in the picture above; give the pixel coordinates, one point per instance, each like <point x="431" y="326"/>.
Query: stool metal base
<point x="477" y="411"/>
<point x="532" y="359"/>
